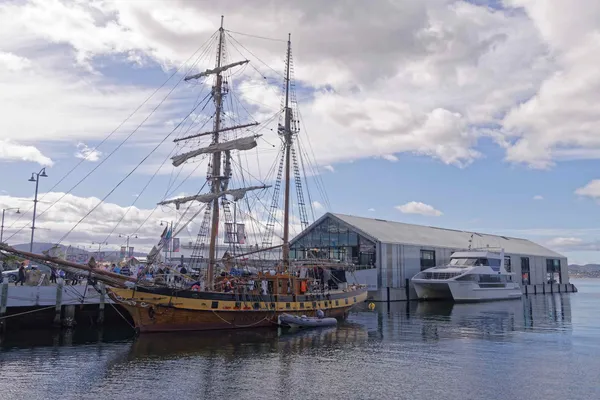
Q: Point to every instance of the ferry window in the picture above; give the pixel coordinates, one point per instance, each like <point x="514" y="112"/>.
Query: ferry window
<point x="427" y="259"/>
<point x="482" y="261"/>
<point x="492" y="278"/>
<point x="301" y="305"/>
<point x="314" y="304"/>
<point x="494" y="262"/>
<point x="463" y="262"/>
<point x="469" y="277"/>
<point x="215" y="304"/>
<point x="287" y="305"/>
<point x="525" y="270"/>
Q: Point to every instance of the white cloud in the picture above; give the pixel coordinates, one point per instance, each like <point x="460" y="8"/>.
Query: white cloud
<point x="560" y="120"/>
<point x="538" y="197"/>
<point x="371" y="210"/>
<point x="13" y="62"/>
<point x="565" y="241"/>
<point x="591" y="189"/>
<point x="317" y="205"/>
<point x="87" y="153"/>
<point x="416" y="207"/>
<point x="390" y="157"/>
<point x="566" y="244"/>
<point x="57" y="220"/>
<point x="329" y="168"/>
<point x="418" y="77"/>
<point x="11" y="151"/>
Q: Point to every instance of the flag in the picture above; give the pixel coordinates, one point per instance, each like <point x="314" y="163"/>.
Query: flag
<point x="241" y="234"/>
<point x="229" y="233"/>
<point x="175" y="245"/>
<point x="123" y="250"/>
<point x="131" y="252"/>
<point x="165" y="236"/>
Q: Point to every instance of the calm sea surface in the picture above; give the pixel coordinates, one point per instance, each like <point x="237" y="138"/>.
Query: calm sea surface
<point x="543" y="347"/>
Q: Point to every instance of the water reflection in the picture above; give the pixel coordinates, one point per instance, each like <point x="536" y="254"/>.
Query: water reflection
<point x="435" y="320"/>
<point x="244" y="343"/>
<point x="377" y="354"/>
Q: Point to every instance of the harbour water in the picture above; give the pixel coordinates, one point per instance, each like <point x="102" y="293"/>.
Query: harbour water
<point x="543" y="347"/>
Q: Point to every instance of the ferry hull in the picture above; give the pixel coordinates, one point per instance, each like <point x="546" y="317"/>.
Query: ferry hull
<point x="158" y="313"/>
<point x="463" y="291"/>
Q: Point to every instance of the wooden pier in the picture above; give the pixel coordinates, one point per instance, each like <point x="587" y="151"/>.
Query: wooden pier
<point x="58" y="305"/>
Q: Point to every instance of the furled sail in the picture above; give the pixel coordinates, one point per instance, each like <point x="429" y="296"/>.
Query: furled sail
<point x="208" y="197"/>
<point x="245" y="143"/>
<point x="217" y="70"/>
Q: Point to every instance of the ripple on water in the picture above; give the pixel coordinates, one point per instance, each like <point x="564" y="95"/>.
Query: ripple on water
<point x="538" y="348"/>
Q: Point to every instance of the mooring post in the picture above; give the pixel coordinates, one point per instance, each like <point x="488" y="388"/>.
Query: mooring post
<point x="407" y="283"/>
<point x="100" y="319"/>
<point x="3" y="303"/>
<point x="58" y="306"/>
<point x="69" y="319"/>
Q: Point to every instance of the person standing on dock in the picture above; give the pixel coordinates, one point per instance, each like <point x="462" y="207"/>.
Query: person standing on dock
<point x="21" y="275"/>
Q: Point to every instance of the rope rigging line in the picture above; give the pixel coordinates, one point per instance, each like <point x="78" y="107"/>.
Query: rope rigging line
<point x="312" y="210"/>
<point x="127" y="176"/>
<point x="254" y="55"/>
<point x="309" y="161"/>
<point x="138" y="197"/>
<point x="116" y="129"/>
<point x="255" y="36"/>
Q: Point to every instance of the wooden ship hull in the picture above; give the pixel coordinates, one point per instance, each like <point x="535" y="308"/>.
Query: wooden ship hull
<point x="161" y="310"/>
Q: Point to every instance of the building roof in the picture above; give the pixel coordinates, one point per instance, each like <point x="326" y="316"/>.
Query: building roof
<point x="401" y="233"/>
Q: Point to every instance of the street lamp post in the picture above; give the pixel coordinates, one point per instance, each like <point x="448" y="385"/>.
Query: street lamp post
<point x="35" y="177"/>
<point x="127" y="236"/>
<point x="99" y="246"/>
<point x="2" y="225"/>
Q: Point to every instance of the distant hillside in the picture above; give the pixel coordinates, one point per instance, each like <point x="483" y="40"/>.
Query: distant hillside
<point x="585" y="271"/>
<point x="111" y="256"/>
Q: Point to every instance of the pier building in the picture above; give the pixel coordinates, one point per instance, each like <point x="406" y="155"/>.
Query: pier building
<point x="388" y="253"/>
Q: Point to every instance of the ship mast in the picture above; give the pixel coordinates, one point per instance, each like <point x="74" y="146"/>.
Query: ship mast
<point x="216" y="163"/>
<point x="288" y="147"/>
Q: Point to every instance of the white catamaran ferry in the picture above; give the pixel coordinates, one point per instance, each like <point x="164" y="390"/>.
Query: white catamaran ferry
<point x="470" y="276"/>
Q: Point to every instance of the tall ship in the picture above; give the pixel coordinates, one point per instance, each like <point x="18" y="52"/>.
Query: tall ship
<point x="255" y="280"/>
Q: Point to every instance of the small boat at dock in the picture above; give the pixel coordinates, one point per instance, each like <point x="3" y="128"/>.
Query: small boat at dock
<point x="295" y="321"/>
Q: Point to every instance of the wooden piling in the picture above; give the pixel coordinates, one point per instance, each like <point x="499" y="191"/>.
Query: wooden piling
<point x="58" y="306"/>
<point x="3" y="303"/>
<point x="69" y="316"/>
<point x="100" y="319"/>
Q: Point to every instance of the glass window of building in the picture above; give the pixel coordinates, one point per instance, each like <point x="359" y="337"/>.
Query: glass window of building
<point x="525" y="270"/>
<point x="427" y="259"/>
<point x="553" y="270"/>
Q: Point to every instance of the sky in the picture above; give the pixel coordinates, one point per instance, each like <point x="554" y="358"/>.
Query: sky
<point x="474" y="115"/>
